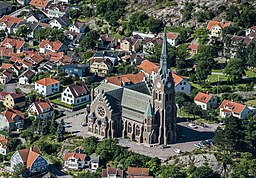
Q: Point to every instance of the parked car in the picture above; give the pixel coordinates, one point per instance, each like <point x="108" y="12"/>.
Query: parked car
<point x="178" y="151"/>
<point x="197" y="145"/>
<point x="165" y="146"/>
<point x="222" y="123"/>
<point x="84" y="124"/>
<point x="192" y="126"/>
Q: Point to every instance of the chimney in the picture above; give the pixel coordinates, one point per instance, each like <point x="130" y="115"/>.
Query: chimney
<point x="207" y="92"/>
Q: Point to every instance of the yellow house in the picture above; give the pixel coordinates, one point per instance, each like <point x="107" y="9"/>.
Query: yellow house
<point x="101" y="66"/>
<point x="131" y="43"/>
<point x="14" y="100"/>
<point x="215" y="28"/>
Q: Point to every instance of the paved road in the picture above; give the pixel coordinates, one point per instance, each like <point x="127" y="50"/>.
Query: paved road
<point x="17" y="12"/>
<point x="186" y="145"/>
<point x="10" y="87"/>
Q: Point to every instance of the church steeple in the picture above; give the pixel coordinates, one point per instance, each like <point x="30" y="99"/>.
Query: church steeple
<point x="164" y="55"/>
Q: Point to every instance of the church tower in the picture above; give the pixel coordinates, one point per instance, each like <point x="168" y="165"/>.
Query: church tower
<point x="163" y="94"/>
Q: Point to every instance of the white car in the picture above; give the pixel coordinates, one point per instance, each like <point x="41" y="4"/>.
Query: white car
<point x="177" y="151"/>
<point x="192" y="126"/>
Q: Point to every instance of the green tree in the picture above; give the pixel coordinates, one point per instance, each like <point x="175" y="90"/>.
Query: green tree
<point x="203" y="70"/>
<point x="204" y="172"/>
<point x="90" y="145"/>
<point x="201" y="34"/>
<point x="19" y="170"/>
<point x="232" y="137"/>
<point x="89" y="41"/>
<point x="53" y="126"/>
<point x="187" y="11"/>
<point x="172" y="171"/>
<point x="235" y="70"/>
<point x="61" y="131"/>
<point x="23" y="31"/>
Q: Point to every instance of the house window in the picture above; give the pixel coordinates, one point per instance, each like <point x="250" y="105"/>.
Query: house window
<point x="129" y="128"/>
<point x="180" y="83"/>
<point x="65" y="94"/>
<point x="182" y="88"/>
<point x="137" y="130"/>
<point x="184" y="83"/>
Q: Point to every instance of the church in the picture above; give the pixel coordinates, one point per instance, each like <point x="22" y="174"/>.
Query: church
<point x="137" y="112"/>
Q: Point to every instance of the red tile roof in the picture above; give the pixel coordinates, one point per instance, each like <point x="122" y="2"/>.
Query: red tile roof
<point x="78" y="156"/>
<point x="232" y="106"/>
<point x="172" y="36"/>
<point x="55" y="44"/>
<point x="10" y="114"/>
<point x="110" y="170"/>
<point x="3" y="141"/>
<point x="47" y="81"/>
<point x="193" y="46"/>
<point x="29" y="155"/>
<point x="42" y="105"/>
<point x="79" y="89"/>
<point x="221" y="24"/>
<point x="203" y="97"/>
<point x="6" y="66"/>
<point x="148" y="67"/>
<point x="39" y="3"/>
<point x="9" y="20"/>
<point x="135" y="171"/>
<point x="133" y="78"/>
<point x="13" y="42"/>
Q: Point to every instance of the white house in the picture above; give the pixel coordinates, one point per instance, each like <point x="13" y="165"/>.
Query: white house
<point x="173" y="38"/>
<point x="205" y="101"/>
<point x="47" y="86"/>
<point x="25" y="77"/>
<point x="228" y="108"/>
<point x="59" y="22"/>
<point x="3" y="145"/>
<point x="6" y="76"/>
<point x="250" y="30"/>
<point x="41" y="109"/>
<point x="76" y="160"/>
<point x="51" y="46"/>
<point x="78" y="27"/>
<point x="94" y="162"/>
<point x="75" y="94"/>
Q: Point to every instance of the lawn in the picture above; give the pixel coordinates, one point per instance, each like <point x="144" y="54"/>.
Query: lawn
<point x="251" y="103"/>
<point x="58" y="102"/>
<point x="214" y="78"/>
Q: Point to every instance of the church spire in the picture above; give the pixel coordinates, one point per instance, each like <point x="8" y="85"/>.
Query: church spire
<point x="164" y="56"/>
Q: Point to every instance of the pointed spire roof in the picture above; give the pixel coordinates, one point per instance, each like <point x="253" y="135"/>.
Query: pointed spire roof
<point x="164" y="55"/>
<point x="149" y="111"/>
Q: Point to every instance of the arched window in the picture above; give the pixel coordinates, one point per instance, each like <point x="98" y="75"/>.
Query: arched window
<point x="129" y="127"/>
<point x="137" y="130"/>
<point x="96" y="129"/>
<point x="160" y="96"/>
<point x="156" y="95"/>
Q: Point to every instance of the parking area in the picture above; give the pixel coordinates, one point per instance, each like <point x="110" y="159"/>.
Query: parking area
<point x="188" y="136"/>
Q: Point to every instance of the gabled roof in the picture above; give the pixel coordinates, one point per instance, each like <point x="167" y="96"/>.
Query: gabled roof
<point x="42" y="105"/>
<point x="29" y="155"/>
<point x="78" y="156"/>
<point x="47" y="81"/>
<point x="7" y="73"/>
<point x="28" y="74"/>
<point x="39" y="3"/>
<point x="132" y="78"/>
<point x="79" y="24"/>
<point x="6" y="66"/>
<point x="3" y="141"/>
<point x="60" y="7"/>
<point x="193" y="46"/>
<point x="54" y="44"/>
<point x="18" y="97"/>
<point x="13" y="42"/>
<point x="107" y="38"/>
<point x="38" y="15"/>
<point x="232" y="106"/>
<point x="203" y="97"/>
<point x="107" y="61"/>
<point x="220" y="24"/>
<point x="9" y="20"/>
<point x="172" y="36"/>
<point x="155" y="41"/>
<point x="36" y="58"/>
<point x="136" y="171"/>
<point x="148" y="67"/>
<point x="64" y="21"/>
<point x="176" y="78"/>
<point x="10" y="114"/>
<point x="78" y="89"/>
<point x="114" y="171"/>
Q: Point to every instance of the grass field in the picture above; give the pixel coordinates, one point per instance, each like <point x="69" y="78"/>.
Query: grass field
<point x="251" y="102"/>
